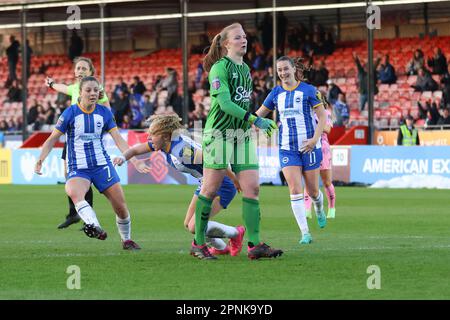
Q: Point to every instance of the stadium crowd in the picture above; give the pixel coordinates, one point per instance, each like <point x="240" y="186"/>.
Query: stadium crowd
<point x="132" y="103"/>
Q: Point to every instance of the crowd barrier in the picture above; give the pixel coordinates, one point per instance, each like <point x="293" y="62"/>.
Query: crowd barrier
<point x="351" y="164"/>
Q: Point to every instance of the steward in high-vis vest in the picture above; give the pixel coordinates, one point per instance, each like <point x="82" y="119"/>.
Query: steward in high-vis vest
<point x="407" y="134"/>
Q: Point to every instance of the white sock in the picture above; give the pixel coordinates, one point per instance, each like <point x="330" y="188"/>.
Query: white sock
<point x="124" y="227"/>
<point x="298" y="208"/>
<point x="318" y="202"/>
<point x="217" y="230"/>
<point x="86" y="213"/>
<point x="217" y="243"/>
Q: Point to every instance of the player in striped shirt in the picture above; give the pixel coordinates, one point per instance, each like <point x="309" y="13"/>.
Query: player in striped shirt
<point x="84" y="125"/>
<point x="185" y="155"/>
<point x="299" y="138"/>
<point x="83" y="67"/>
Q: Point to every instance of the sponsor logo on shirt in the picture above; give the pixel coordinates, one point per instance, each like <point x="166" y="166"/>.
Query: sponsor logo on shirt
<point x="290" y="112"/>
<point x="242" y="94"/>
<point x="88" y="137"/>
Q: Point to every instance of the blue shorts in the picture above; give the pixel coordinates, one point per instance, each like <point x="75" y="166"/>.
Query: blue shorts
<point x="307" y="160"/>
<point x="226" y="192"/>
<point x="102" y="177"/>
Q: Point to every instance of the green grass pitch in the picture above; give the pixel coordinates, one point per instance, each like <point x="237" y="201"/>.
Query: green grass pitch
<point x="404" y="232"/>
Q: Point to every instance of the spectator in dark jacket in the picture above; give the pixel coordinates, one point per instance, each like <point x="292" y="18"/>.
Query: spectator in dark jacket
<point x="445" y="117"/>
<point x="438" y="63"/>
<point x="362" y="80"/>
<point x="386" y="71"/>
<point x="15" y="92"/>
<point x="76" y="46"/>
<point x="12" y="53"/>
<point x="319" y="74"/>
<point x="137" y="87"/>
<point x="425" y="82"/>
<point x="333" y="91"/>
<point x="416" y="63"/>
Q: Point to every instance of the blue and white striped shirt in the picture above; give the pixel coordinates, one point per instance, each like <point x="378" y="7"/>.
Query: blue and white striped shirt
<point x="84" y="131"/>
<point x="181" y="155"/>
<point x="296" y="107"/>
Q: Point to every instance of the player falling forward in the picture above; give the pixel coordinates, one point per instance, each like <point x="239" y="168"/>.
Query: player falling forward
<point x="299" y="145"/>
<point x="325" y="167"/>
<point x="84" y="125"/>
<point x="185" y="155"/>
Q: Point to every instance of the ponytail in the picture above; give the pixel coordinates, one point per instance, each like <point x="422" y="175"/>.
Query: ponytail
<point x="217" y="51"/>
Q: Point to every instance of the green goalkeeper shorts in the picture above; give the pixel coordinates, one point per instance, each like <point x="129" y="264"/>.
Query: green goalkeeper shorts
<point x="239" y="152"/>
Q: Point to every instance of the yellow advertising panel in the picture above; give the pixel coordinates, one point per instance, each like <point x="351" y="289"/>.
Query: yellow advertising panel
<point x="426" y="137"/>
<point x="5" y="166"/>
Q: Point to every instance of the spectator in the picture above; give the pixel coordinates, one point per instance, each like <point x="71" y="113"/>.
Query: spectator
<point x="429" y="121"/>
<point x="169" y="83"/>
<point x="416" y="63"/>
<point x="438" y="63"/>
<point x="135" y="114"/>
<point x="147" y="107"/>
<point x="296" y="38"/>
<point x="33" y="113"/>
<point x="259" y="93"/>
<point x="13" y="57"/>
<point x="386" y="71"/>
<point x="76" y="46"/>
<point x="41" y="118"/>
<point x="429" y="108"/>
<point x="445" y="118"/>
<point x="268" y="79"/>
<point x="125" y="122"/>
<point x="29" y="54"/>
<point x="333" y="91"/>
<point x="341" y="111"/>
<point x="198" y="114"/>
<point x="121" y="86"/>
<point x="121" y="107"/>
<point x="407" y="134"/>
<point x="3" y="126"/>
<point x="445" y="87"/>
<point x="362" y="80"/>
<point x="15" y="92"/>
<point x="49" y="112"/>
<point x="199" y="75"/>
<point x="425" y="82"/>
<point x="318" y="75"/>
<point x="12" y="127"/>
<point x="328" y="44"/>
<point x="137" y="87"/>
<point x="266" y="28"/>
<point x="19" y="123"/>
<point x="282" y="23"/>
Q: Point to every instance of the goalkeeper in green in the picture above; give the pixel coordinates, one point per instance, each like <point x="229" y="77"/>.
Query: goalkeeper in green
<point x="227" y="140"/>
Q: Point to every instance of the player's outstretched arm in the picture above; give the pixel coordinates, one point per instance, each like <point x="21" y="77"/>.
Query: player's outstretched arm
<point x="46" y="148"/>
<point x="130" y="153"/>
<point x="60" y="87"/>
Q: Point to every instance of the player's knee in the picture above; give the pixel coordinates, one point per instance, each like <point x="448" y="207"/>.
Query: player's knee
<point x="295" y="189"/>
<point x="191" y="227"/>
<point x="251" y="192"/>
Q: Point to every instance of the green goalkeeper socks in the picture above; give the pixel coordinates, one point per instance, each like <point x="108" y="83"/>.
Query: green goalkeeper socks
<point x="202" y="211"/>
<point x="252" y="217"/>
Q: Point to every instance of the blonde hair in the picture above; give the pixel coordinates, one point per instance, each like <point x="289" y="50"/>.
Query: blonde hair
<point x="217" y="51"/>
<point x="300" y="67"/>
<point x="88" y="61"/>
<point x="164" y="124"/>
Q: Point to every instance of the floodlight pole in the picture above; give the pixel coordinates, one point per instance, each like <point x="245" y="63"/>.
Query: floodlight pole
<point x="184" y="45"/>
<point x="23" y="17"/>
<point x="370" y="77"/>
<point x="102" y="45"/>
